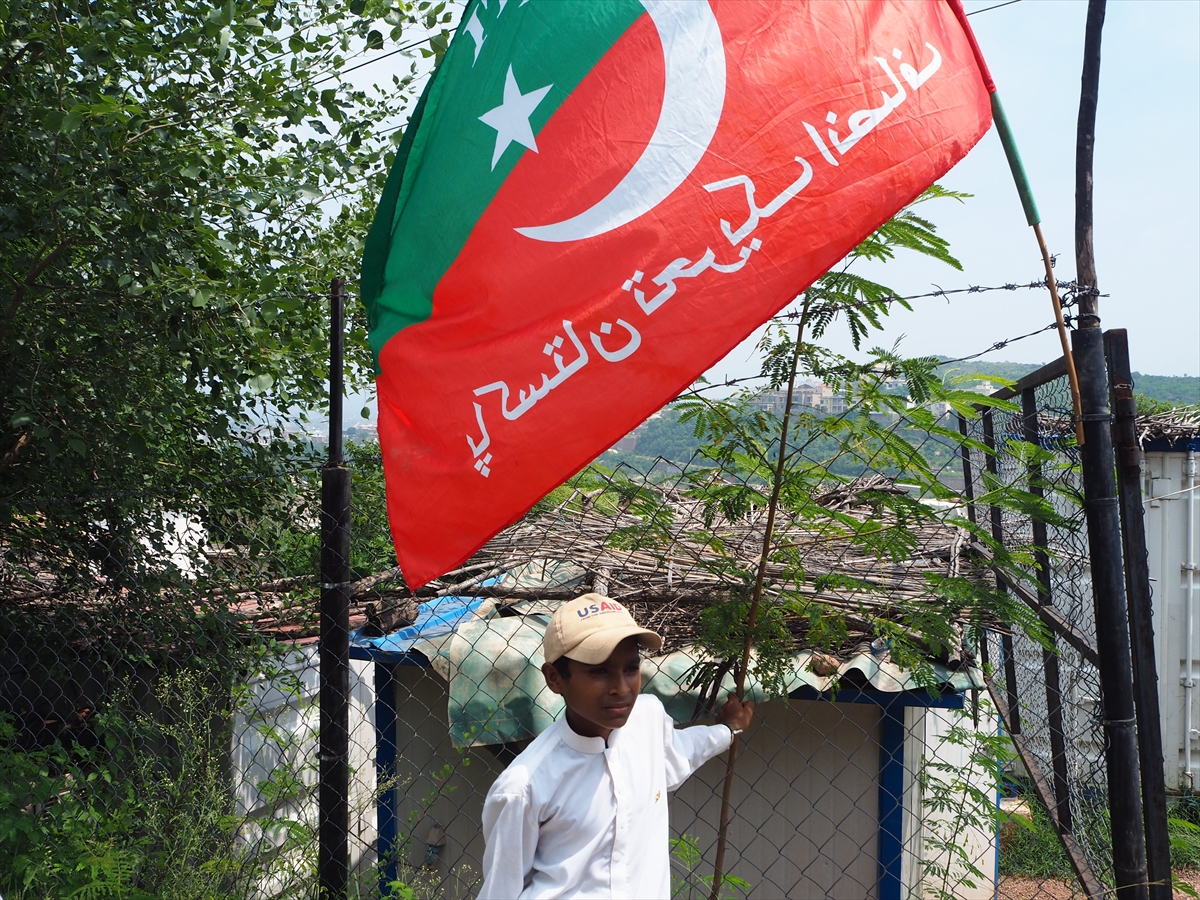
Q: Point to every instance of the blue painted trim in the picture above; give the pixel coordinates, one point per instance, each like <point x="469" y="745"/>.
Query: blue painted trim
<point x="999" y="793"/>
<point x="387" y="812"/>
<point x="1180" y="446"/>
<point x="388" y="657"/>
<point x="886" y="699"/>
<point x="891" y="800"/>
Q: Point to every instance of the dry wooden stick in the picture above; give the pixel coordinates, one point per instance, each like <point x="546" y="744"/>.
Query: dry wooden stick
<point x="1072" y="376"/>
<point x="752" y="622"/>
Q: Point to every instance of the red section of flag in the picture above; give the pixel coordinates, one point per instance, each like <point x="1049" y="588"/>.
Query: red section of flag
<point x="540" y="355"/>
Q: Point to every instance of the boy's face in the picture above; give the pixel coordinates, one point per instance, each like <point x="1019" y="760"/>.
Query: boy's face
<point x="600" y="698"/>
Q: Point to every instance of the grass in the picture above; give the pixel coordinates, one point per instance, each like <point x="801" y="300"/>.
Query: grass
<point x="1033" y="850"/>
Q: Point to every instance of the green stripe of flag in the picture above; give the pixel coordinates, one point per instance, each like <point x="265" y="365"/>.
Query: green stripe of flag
<point x="442" y="179"/>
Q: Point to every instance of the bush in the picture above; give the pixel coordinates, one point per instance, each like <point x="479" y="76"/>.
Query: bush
<point x="146" y="813"/>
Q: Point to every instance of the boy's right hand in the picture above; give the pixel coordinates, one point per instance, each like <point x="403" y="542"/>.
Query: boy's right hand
<point x="736" y="713"/>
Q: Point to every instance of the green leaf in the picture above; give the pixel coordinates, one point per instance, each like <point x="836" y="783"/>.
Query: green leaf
<point x="438" y="44"/>
<point x="401" y="891"/>
<point x="72" y="120"/>
<point x="374" y="40"/>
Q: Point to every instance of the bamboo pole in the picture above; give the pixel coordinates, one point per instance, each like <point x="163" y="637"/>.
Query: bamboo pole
<point x="1025" y="192"/>
<point x="1068" y="358"/>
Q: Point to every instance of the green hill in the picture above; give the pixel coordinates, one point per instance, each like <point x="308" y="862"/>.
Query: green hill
<point x="1174" y="389"/>
<point x="1008" y="370"/>
<point x="1177" y="389"/>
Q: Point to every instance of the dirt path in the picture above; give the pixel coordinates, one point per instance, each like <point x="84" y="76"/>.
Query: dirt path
<point x="1013" y="887"/>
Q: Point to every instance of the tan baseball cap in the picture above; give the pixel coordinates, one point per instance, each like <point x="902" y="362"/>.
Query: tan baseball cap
<point x="588" y="629"/>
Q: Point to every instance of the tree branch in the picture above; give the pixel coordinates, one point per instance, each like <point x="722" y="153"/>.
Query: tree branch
<point x="21" y="288"/>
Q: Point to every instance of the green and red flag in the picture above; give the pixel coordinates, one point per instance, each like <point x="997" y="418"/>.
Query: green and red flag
<point x="596" y="200"/>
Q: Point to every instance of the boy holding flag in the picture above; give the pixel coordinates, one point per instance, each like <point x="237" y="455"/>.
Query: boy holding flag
<point x="582" y="811"/>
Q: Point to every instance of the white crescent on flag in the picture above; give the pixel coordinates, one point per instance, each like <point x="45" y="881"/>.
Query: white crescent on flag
<point x="693" y="97"/>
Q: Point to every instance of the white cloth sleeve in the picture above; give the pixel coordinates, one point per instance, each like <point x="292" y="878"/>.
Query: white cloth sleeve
<point x="687" y="749"/>
<point x="510" y="833"/>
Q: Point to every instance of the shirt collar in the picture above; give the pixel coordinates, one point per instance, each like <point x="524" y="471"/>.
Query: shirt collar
<point x="590" y="745"/>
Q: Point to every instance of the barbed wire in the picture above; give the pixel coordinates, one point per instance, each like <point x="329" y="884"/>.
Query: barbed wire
<point x="990" y="8"/>
<point x="998" y="345"/>
<point x="1070" y="290"/>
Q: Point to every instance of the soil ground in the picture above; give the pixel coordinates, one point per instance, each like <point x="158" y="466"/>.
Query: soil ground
<point x="1014" y="887"/>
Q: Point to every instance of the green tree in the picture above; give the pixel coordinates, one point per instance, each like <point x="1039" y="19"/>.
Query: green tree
<point x="783" y="474"/>
<point x="180" y="182"/>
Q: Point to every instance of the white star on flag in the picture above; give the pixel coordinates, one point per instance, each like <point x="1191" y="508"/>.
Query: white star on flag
<point x="511" y="118"/>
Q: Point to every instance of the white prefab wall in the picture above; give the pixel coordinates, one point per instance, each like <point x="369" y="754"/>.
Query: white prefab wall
<point x="275" y="738"/>
<point x="1172" y="508"/>
<point x="805" y="800"/>
<point x="942" y="740"/>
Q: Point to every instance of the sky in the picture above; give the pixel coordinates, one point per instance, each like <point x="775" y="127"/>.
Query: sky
<point x="1146" y="194"/>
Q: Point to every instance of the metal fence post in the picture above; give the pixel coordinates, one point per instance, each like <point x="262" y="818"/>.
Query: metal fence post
<point x="969" y="494"/>
<point x="1141" y="616"/>
<point x="891" y="800"/>
<point x="1058" y="741"/>
<point x="333" y="852"/>
<point x="387" y="816"/>
<point x="997" y="521"/>
<point x="1112" y="622"/>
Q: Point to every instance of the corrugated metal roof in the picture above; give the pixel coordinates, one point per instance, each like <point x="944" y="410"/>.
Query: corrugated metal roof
<point x="497" y="694"/>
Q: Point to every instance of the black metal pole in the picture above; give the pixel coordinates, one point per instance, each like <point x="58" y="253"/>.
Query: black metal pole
<point x="1101" y="509"/>
<point x="1085" y="144"/>
<point x="1006" y="641"/>
<point x="969" y="495"/>
<point x="968" y="475"/>
<point x="333" y="852"/>
<point x="1141" y="616"/>
<point x="1041" y="543"/>
<point x="1112" y="621"/>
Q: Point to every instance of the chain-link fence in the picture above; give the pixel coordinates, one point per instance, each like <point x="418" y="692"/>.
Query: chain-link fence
<point x="158" y="683"/>
<point x="160" y="665"/>
<point x="863" y="777"/>
<point x="1048" y="683"/>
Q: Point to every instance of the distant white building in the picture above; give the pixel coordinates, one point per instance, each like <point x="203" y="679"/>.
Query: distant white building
<point x="812" y="396"/>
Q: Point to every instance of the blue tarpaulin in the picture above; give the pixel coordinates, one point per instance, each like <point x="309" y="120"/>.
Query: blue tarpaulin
<point x="436" y="618"/>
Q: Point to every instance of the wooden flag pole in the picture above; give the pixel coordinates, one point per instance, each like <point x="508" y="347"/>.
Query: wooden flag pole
<point x="1009" y="142"/>
<point x="1035" y="221"/>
